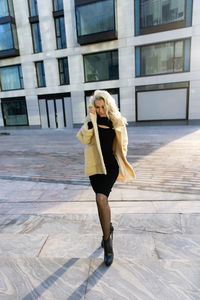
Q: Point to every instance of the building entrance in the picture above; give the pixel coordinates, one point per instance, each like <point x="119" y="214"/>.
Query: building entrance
<point x="56" y="111"/>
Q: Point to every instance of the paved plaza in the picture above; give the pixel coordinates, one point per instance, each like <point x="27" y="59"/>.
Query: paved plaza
<point x="50" y="233"/>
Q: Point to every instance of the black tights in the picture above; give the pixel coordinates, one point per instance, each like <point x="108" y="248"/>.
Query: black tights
<point x="104" y="214"/>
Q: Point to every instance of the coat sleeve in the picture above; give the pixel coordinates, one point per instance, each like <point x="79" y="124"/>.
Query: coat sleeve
<point x="85" y="135"/>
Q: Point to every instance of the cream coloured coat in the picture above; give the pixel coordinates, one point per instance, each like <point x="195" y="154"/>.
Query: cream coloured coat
<point x="94" y="163"/>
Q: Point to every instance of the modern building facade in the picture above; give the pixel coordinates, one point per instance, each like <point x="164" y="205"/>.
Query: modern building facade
<point x="55" y="53"/>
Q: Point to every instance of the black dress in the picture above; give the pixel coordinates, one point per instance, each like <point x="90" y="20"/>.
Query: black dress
<point x="102" y="183"/>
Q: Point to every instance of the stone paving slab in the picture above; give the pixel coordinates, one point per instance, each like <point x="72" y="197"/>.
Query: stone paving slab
<point x="79" y="278"/>
<point x="177" y="246"/>
<point x="76" y="245"/>
<point x="21" y="244"/>
<point x="43" y="278"/>
<point x="89" y="224"/>
<point x="20" y="191"/>
<point x="144" y="279"/>
<point x="145" y="207"/>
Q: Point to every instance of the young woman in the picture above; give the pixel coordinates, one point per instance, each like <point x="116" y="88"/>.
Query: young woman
<point x="105" y="136"/>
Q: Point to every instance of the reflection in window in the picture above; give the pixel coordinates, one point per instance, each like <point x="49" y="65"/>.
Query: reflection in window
<point x="163" y="58"/>
<point x="101" y="66"/>
<point x="6" y="40"/>
<point x="40" y="74"/>
<point x="33" y="8"/>
<point x="6" y="8"/>
<point x="60" y="33"/>
<point x="37" y="43"/>
<point x="11" y="78"/>
<point x="58" y="5"/>
<point x="63" y="71"/>
<point x="95" y="17"/>
<point x="15" y="112"/>
<point x="156" y="12"/>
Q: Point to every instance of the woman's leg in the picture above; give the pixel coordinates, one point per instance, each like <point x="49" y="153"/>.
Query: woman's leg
<point x="104" y="214"/>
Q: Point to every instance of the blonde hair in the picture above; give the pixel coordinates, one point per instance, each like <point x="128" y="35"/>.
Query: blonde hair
<point x="111" y="109"/>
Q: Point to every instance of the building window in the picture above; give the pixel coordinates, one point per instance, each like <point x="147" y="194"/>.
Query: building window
<point x="6" y="37"/>
<point x="37" y="42"/>
<point x="11" y="78"/>
<point x="58" y="5"/>
<point x="58" y="15"/>
<point x="35" y="27"/>
<point x="63" y="70"/>
<point x="33" y="8"/>
<point x="163" y="58"/>
<point x="60" y="33"/>
<point x="14" y="112"/>
<point x="95" y="21"/>
<point x="8" y="34"/>
<point x="159" y="15"/>
<point x="41" y="82"/>
<point x="6" y="8"/>
<point x="101" y="66"/>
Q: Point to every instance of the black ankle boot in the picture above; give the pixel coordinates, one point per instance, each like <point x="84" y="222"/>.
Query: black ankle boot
<point x="111" y="233"/>
<point x="108" y="252"/>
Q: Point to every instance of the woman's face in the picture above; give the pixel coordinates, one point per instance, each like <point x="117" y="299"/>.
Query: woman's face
<point x="100" y="110"/>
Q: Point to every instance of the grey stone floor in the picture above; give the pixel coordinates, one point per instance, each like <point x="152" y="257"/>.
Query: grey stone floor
<point x="49" y="229"/>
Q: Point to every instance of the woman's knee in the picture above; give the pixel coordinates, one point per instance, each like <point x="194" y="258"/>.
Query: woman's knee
<point x="101" y="198"/>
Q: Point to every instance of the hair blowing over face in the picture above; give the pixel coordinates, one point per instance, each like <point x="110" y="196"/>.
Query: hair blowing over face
<point x="111" y="109"/>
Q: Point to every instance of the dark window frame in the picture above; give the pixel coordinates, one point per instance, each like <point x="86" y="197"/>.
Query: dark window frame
<point x="20" y="74"/>
<point x="59" y="10"/>
<point x="162" y="87"/>
<point x="99" y="36"/>
<point x="99" y="52"/>
<point x="161" y="27"/>
<point x="58" y="17"/>
<point x="38" y="37"/>
<point x="35" y="20"/>
<point x="14" y="99"/>
<point x="43" y="73"/>
<point x="67" y="80"/>
<point x="29" y="6"/>
<point x="89" y="93"/>
<point x="167" y="73"/>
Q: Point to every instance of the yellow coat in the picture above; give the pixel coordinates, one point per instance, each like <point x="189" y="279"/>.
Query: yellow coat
<point x="94" y="163"/>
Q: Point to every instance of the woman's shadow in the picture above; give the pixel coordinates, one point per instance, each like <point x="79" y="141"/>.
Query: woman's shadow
<point x="81" y="290"/>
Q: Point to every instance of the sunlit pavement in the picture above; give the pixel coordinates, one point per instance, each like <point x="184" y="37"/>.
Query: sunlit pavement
<point x="49" y="229"/>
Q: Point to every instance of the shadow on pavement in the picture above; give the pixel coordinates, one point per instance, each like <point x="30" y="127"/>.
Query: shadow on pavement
<point x="81" y="290"/>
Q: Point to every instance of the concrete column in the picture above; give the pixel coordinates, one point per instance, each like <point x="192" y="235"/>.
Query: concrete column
<point x="1" y="116"/>
<point x="127" y="103"/>
<point x="70" y="24"/>
<point x="78" y="106"/>
<point x="47" y="28"/>
<point x="125" y="18"/>
<point x="33" y="110"/>
<point x="23" y="27"/>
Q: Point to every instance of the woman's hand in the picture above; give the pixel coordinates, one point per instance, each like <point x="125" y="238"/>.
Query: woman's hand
<point x="92" y="110"/>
